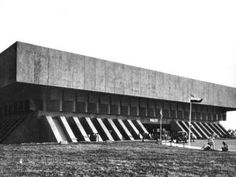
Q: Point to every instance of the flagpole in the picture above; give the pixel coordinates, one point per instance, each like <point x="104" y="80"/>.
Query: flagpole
<point x="189" y="128"/>
<point x="160" y="130"/>
<point x="191" y="101"/>
<point x="161" y="126"/>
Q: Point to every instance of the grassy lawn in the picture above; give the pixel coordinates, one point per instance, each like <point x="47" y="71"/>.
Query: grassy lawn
<point x="113" y="159"/>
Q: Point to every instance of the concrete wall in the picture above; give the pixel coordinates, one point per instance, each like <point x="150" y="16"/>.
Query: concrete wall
<point x="8" y="66"/>
<point x="39" y="65"/>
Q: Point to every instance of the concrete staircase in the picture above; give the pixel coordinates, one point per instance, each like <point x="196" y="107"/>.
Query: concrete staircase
<point x="8" y="125"/>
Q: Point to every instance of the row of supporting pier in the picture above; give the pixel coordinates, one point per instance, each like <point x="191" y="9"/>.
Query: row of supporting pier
<point x="203" y="130"/>
<point x="74" y="129"/>
<point x="66" y="129"/>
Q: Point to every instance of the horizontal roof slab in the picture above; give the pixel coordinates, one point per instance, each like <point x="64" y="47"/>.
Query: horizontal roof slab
<point x="44" y="66"/>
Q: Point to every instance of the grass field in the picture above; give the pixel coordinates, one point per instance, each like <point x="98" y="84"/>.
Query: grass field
<point x="113" y="159"/>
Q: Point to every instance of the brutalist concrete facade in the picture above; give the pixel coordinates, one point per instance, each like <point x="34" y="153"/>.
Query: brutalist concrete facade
<point x="41" y="81"/>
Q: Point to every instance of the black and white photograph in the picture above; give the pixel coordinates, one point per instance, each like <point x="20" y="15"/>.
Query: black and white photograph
<point x="117" y="88"/>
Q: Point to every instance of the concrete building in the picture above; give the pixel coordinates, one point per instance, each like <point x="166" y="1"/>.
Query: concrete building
<point x="48" y="95"/>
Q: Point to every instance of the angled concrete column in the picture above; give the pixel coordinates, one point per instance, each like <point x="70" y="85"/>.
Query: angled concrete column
<point x="192" y="129"/>
<point x="81" y="128"/>
<point x="54" y="129"/>
<point x="90" y="123"/>
<point x="115" y="128"/>
<point x="68" y="129"/>
<point x="135" y="129"/>
<point x="180" y="126"/>
<point x="199" y="135"/>
<point x="216" y="129"/>
<point x="204" y="128"/>
<point x="141" y="125"/>
<point x="222" y="128"/>
<point x="200" y="129"/>
<point x="219" y="127"/>
<point x="208" y="126"/>
<point x="105" y="129"/>
<point x="125" y="129"/>
<point x="184" y="125"/>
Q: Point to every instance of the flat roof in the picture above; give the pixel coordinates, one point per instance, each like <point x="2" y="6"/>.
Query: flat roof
<point x="27" y="63"/>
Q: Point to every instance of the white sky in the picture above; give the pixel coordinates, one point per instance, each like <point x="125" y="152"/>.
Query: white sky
<point x="195" y="39"/>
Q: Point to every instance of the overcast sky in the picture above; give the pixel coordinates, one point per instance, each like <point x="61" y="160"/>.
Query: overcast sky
<point x="195" y="39"/>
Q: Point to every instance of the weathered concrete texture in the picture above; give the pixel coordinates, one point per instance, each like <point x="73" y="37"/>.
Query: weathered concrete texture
<point x="8" y="66"/>
<point x="100" y="75"/>
<point x="119" y="79"/>
<point x="51" y="67"/>
<point x="90" y="74"/>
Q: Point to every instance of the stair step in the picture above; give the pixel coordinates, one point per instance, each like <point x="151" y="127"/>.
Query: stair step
<point x="8" y="126"/>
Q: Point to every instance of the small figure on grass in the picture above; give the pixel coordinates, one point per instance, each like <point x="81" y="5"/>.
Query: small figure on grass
<point x="94" y="137"/>
<point x="193" y="137"/>
<point x="225" y="147"/>
<point x="145" y="136"/>
<point x="206" y="147"/>
<point x="210" y="146"/>
<point x="211" y="142"/>
<point x="165" y="135"/>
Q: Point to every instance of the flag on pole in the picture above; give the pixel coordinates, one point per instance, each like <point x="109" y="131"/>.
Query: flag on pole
<point x="195" y="99"/>
<point x="161" y="113"/>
